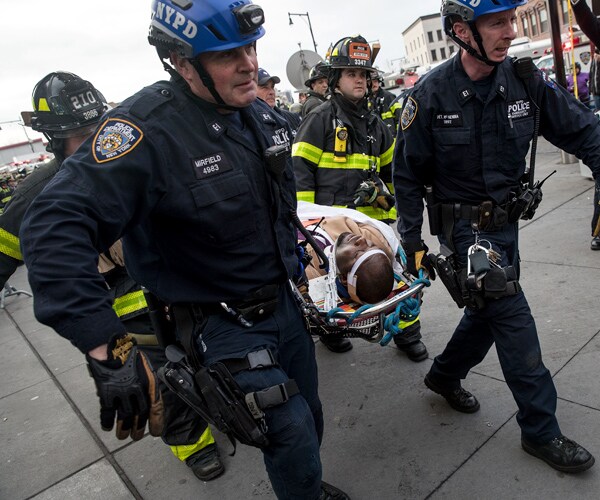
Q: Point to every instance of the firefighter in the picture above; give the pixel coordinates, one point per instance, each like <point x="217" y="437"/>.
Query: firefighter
<point x="342" y="157"/>
<point x="317" y="87"/>
<point x="384" y="103"/>
<point x="67" y="110"/>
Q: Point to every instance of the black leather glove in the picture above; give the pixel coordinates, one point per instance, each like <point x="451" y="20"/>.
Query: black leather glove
<point x="365" y="194"/>
<point x="128" y="389"/>
<point x="416" y="258"/>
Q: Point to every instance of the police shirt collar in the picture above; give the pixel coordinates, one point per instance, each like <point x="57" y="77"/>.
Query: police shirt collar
<point x="465" y="86"/>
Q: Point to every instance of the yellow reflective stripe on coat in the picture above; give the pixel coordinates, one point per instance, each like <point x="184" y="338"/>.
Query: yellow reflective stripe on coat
<point x="307" y="151"/>
<point x="9" y="245"/>
<point x="378" y="213"/>
<point x="356" y="161"/>
<point x="129" y="303"/>
<point x="308" y="196"/>
<point x="386" y="157"/>
<point x="185" y="451"/>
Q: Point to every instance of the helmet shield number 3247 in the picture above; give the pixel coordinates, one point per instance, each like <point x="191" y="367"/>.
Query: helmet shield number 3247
<point x="359" y="53"/>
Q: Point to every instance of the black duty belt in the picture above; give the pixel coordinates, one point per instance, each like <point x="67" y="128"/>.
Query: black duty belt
<point x="486" y="216"/>
<point x="468" y="212"/>
<point x="257" y="305"/>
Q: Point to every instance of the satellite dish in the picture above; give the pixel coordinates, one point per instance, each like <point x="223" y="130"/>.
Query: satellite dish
<point x="299" y="65"/>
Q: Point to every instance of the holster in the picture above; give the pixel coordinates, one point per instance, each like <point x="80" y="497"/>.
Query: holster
<point x="497" y="283"/>
<point x="215" y="395"/>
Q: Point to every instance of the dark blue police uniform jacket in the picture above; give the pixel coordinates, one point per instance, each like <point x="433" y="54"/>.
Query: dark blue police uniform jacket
<point x="202" y="219"/>
<point x="471" y="151"/>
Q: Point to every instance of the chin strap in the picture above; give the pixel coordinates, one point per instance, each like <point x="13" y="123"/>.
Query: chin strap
<point x="55" y="146"/>
<point x="207" y="81"/>
<point x="481" y="55"/>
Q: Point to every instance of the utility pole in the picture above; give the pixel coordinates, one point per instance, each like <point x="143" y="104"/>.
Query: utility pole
<point x="559" y="63"/>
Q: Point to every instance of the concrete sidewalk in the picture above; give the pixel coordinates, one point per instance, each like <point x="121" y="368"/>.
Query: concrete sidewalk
<point x="386" y="435"/>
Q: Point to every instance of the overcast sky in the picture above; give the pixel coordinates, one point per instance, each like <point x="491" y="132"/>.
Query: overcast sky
<point x="105" y="42"/>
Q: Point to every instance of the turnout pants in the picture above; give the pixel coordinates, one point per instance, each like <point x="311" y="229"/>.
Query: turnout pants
<point x="185" y="432"/>
<point x="508" y="323"/>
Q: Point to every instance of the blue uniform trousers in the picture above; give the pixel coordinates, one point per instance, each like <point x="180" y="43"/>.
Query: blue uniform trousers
<point x="295" y="428"/>
<point x="507" y="322"/>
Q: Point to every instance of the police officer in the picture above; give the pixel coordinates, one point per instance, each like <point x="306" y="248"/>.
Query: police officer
<point x="317" y="85"/>
<point x="466" y="130"/>
<point x="67" y="109"/>
<point x="184" y="171"/>
<point x="266" y="92"/>
<point x="342" y="157"/>
<point x="589" y="24"/>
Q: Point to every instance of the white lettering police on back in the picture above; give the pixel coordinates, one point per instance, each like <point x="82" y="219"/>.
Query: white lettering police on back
<point x="165" y="13"/>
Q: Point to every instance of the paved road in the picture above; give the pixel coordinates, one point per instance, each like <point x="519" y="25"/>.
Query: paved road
<point x="386" y="435"/>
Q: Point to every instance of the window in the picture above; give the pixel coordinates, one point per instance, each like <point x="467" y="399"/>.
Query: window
<point x="525" y="26"/>
<point x="442" y="53"/>
<point x="451" y="49"/>
<point x="439" y="35"/>
<point x="533" y="21"/>
<point x="433" y="55"/>
<point x="543" y="13"/>
<point x="430" y="36"/>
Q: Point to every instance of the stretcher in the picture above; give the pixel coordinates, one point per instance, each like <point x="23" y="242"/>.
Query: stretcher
<point x="370" y="322"/>
<point x="326" y="313"/>
<point x="373" y="323"/>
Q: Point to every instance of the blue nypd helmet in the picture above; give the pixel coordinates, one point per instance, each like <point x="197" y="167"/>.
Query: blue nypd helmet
<point x="470" y="10"/>
<point x="191" y="27"/>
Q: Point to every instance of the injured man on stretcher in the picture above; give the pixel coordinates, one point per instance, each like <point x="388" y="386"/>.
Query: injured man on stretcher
<point x="366" y="253"/>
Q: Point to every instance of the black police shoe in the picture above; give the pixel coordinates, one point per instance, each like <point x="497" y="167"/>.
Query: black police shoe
<point x="595" y="244"/>
<point x="416" y="351"/>
<point x="206" y="464"/>
<point x="561" y="453"/>
<point x="336" y="344"/>
<point x="329" y="492"/>
<point x="459" y="399"/>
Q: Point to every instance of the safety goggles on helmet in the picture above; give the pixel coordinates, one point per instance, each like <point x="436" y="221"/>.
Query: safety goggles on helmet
<point x="191" y="27"/>
<point x="64" y="105"/>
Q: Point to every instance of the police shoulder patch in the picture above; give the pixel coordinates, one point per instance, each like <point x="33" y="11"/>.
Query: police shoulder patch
<point x="409" y="112"/>
<point x="115" y="138"/>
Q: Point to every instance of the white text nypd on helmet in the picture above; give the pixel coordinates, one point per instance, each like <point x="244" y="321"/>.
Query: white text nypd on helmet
<point x="175" y="19"/>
